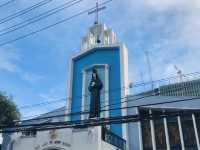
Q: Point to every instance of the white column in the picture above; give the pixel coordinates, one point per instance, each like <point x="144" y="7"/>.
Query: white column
<point x="106" y="91"/>
<point x="140" y="135"/>
<point x="181" y="133"/>
<point x="166" y="133"/>
<point x="69" y="90"/>
<point x="152" y="132"/>
<point x="1" y="139"/>
<point x="196" y="132"/>
<point x="83" y="103"/>
<point x="68" y="109"/>
<point x="140" y="131"/>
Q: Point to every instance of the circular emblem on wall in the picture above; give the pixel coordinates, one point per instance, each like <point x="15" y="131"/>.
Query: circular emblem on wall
<point x="53" y="134"/>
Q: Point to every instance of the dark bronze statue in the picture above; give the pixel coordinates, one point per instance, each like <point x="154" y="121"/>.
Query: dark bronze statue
<point x="95" y="88"/>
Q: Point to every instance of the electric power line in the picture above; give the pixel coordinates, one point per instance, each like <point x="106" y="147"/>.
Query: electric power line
<point x="65" y="99"/>
<point x="111" y="104"/>
<point x="24" y="11"/>
<point x="102" y="92"/>
<point x="52" y="25"/>
<point x="57" y="101"/>
<point x="93" y="122"/>
<point x="104" y="106"/>
<point x="41" y="104"/>
<point x="77" y="107"/>
<point x="115" y="109"/>
<point x="167" y="79"/>
<point x="87" y="112"/>
<point x="38" y="17"/>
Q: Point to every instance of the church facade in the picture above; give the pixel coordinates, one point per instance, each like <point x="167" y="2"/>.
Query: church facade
<point x="111" y="62"/>
<point x="101" y="52"/>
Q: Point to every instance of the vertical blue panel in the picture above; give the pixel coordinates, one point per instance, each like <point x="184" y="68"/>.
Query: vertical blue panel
<point x="109" y="56"/>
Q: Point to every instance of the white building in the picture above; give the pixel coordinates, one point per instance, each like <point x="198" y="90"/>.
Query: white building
<point x="61" y="139"/>
<point x="100" y="49"/>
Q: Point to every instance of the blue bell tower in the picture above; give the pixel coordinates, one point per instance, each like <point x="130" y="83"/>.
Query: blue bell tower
<point x="99" y="49"/>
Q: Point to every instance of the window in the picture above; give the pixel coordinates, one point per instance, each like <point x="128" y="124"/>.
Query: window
<point x="29" y="133"/>
<point x="188" y="133"/>
<point x="174" y="136"/>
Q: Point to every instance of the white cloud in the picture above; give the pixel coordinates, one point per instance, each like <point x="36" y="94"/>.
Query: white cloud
<point x="173" y="29"/>
<point x="54" y="93"/>
<point x="172" y="26"/>
<point x="32" y="78"/>
<point x="166" y="4"/>
<point x="8" y="60"/>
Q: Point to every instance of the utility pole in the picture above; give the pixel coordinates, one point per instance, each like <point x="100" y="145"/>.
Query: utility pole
<point x="142" y="79"/>
<point x="149" y="69"/>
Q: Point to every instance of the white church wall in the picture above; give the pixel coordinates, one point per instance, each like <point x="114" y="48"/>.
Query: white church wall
<point x="85" y="139"/>
<point x="107" y="146"/>
<point x="63" y="139"/>
<point x="22" y="144"/>
<point x="90" y="139"/>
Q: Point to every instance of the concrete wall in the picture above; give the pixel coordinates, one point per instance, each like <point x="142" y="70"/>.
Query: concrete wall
<point x="63" y="139"/>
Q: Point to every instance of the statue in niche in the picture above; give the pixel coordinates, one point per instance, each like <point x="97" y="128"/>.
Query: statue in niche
<point x="95" y="88"/>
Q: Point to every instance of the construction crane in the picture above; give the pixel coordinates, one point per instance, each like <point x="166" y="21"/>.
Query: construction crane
<point x="179" y="73"/>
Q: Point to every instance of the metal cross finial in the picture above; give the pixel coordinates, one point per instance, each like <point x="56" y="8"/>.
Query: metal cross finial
<point x="97" y="10"/>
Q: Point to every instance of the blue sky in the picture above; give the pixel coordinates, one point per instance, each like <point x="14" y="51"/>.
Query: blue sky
<point x="34" y="69"/>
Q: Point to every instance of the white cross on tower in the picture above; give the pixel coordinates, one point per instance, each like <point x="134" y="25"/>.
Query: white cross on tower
<point x="97" y="10"/>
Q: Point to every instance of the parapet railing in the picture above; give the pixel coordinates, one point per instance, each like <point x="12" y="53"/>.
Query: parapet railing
<point x="113" y="139"/>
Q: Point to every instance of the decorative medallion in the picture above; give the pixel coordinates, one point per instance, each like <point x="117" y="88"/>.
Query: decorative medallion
<point x="53" y="134"/>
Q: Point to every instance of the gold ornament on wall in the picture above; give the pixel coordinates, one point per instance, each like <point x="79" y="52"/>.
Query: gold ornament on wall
<point x="53" y="134"/>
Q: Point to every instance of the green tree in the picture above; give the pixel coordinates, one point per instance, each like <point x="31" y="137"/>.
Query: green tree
<point x="8" y="110"/>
